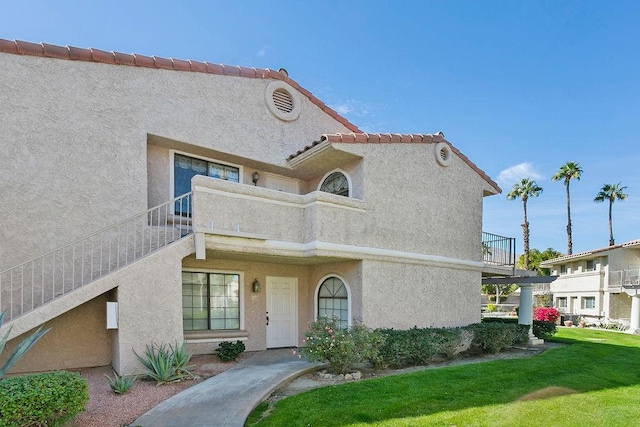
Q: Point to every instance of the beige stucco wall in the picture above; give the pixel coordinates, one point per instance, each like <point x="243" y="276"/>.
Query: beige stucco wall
<point x="74" y="140"/>
<point x="149" y="295"/>
<point x="76" y="339"/>
<point x="404" y="295"/>
<point x="416" y="205"/>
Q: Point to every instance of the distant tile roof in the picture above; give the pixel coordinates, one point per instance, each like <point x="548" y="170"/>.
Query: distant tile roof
<point x="563" y="258"/>
<point x="45" y="50"/>
<point x="389" y="138"/>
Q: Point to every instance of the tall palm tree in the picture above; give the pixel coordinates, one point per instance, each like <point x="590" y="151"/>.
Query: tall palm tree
<point x="611" y="192"/>
<point x="524" y="189"/>
<point x="567" y="172"/>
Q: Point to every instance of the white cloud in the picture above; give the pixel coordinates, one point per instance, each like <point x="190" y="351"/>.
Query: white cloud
<point x="513" y="174"/>
<point x="352" y="107"/>
<point x="262" y="52"/>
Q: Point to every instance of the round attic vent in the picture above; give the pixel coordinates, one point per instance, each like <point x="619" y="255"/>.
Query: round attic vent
<point x="443" y="154"/>
<point x="283" y="101"/>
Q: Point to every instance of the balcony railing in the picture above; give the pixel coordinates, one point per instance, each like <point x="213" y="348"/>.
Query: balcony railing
<point x="627" y="277"/>
<point x="498" y="250"/>
<point x="36" y="282"/>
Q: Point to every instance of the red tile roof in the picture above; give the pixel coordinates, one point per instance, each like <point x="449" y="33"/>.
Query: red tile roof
<point x="395" y="138"/>
<point x="563" y="258"/>
<point x="45" y="50"/>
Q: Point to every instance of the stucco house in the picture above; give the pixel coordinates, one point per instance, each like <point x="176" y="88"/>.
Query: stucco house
<point x="600" y="285"/>
<point x="147" y="199"/>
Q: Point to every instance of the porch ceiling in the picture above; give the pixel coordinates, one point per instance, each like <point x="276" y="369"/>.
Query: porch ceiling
<point x="213" y="254"/>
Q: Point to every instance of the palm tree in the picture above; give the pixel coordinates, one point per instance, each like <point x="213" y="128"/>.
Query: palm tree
<point x="567" y="172"/>
<point x="524" y="189"/>
<point x="611" y="192"/>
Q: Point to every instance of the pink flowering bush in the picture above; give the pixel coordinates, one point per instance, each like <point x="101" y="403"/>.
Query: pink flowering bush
<point x="325" y="341"/>
<point x="547" y="314"/>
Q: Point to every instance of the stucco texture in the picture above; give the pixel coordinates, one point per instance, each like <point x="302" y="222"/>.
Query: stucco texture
<point x="73" y="164"/>
<point x="402" y="296"/>
<point x="76" y="339"/>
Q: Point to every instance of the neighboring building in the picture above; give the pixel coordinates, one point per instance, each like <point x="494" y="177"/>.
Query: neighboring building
<point x="285" y="210"/>
<point x="599" y="285"/>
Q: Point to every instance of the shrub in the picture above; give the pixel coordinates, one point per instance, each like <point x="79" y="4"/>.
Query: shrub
<point x="120" y="384"/>
<point x="49" y="399"/>
<point x="493" y="337"/>
<point x="547" y="314"/>
<point x="543" y="329"/>
<point x="20" y="349"/>
<point x="341" y="348"/>
<point x="165" y="364"/>
<point x="228" y="351"/>
<point x="458" y="344"/>
<point x="491" y="308"/>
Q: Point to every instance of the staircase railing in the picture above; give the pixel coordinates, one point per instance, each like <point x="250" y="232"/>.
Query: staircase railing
<point x="36" y="282"/>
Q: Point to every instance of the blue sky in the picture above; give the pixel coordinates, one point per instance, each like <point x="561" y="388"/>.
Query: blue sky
<point x="520" y="87"/>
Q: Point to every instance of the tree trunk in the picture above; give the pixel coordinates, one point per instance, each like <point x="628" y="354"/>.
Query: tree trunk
<point x="611" y="241"/>
<point x="525" y="235"/>
<point x="569" y="237"/>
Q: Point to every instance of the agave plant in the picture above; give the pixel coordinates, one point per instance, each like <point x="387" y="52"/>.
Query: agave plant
<point x="21" y="349"/>
<point x="120" y="384"/>
<point x="165" y="364"/>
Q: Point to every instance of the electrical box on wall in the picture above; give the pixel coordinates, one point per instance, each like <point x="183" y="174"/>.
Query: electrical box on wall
<point x="112" y="315"/>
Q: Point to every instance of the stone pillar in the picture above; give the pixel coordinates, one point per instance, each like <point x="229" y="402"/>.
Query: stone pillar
<point x="634" y="326"/>
<point x="525" y="312"/>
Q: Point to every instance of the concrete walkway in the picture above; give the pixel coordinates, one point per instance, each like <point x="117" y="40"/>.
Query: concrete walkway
<point x="228" y="398"/>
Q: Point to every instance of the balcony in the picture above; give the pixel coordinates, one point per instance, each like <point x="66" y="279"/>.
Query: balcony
<point x="627" y="279"/>
<point x="498" y="254"/>
<point x="242" y="217"/>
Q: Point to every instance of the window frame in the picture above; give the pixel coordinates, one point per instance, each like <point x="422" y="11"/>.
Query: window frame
<point x="241" y="291"/>
<point x="563" y="267"/>
<point x="583" y="303"/>
<point x="593" y="265"/>
<point x="172" y="166"/>
<point x="317" y="293"/>
<point x="345" y="174"/>
<point x="565" y="300"/>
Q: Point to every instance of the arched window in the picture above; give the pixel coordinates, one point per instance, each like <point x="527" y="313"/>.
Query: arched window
<point x="333" y="300"/>
<point x="336" y="183"/>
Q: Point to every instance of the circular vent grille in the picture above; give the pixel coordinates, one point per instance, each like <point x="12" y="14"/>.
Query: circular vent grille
<point x="443" y="154"/>
<point x="282" y="100"/>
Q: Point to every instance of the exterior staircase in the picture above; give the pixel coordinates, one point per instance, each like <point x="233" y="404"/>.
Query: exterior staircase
<point x="53" y="276"/>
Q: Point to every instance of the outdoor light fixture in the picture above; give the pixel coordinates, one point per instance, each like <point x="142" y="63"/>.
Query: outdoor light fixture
<point x="255" y="285"/>
<point x="255" y="177"/>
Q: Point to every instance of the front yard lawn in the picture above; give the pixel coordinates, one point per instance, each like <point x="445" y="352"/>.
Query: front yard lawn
<point x="600" y="368"/>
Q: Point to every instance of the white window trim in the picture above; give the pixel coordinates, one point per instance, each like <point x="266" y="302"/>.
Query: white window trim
<point x="241" y="288"/>
<point x="317" y="291"/>
<point x="172" y="164"/>
<point x="326" y="175"/>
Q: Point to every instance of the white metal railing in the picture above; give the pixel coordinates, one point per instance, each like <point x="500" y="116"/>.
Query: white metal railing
<point x="50" y="276"/>
<point x="626" y="277"/>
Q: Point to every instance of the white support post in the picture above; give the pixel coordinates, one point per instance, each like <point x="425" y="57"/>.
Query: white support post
<point x="634" y="326"/>
<point x="525" y="313"/>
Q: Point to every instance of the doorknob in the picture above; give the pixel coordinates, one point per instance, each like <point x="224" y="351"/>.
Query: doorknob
<point x="267" y="318"/>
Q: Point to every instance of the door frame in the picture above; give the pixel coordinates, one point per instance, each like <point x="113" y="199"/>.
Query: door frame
<point x="295" y="309"/>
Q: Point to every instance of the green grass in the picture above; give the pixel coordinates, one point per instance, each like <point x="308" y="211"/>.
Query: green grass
<point x="603" y="368"/>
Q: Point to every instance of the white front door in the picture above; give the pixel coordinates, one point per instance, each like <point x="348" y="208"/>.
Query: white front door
<point x="282" y="312"/>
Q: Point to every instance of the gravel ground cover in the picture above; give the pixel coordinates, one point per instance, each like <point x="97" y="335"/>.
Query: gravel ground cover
<point x="106" y="409"/>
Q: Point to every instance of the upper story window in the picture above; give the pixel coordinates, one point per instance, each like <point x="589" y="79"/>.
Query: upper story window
<point x="563" y="269"/>
<point x="591" y="265"/>
<point x="336" y="183"/>
<point x="185" y="168"/>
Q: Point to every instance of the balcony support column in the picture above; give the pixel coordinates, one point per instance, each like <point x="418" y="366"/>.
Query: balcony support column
<point x="634" y="326"/>
<point x="525" y="312"/>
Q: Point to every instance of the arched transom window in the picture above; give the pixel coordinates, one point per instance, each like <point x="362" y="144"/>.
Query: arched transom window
<point x="333" y="301"/>
<point x="336" y="183"/>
